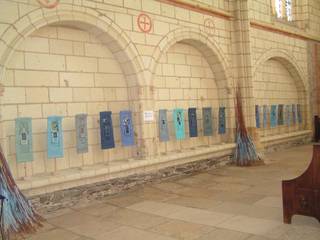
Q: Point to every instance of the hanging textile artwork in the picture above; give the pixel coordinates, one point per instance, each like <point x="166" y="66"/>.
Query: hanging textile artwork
<point x="222" y="120"/>
<point x="163" y="125"/>
<point x="178" y="119"/>
<point x="288" y="113"/>
<point x="55" y="138"/>
<point x="299" y="113"/>
<point x="257" y="110"/>
<point x="207" y="121"/>
<point x="81" y="133"/>
<point x="126" y="127"/>
<point x="265" y="116"/>
<point x="273" y="116"/>
<point x="294" y="114"/>
<point x="24" y="140"/>
<point x="106" y="130"/>
<point x="280" y="114"/>
<point x="193" y="126"/>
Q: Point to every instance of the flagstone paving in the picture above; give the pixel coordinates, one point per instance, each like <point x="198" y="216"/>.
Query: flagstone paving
<point x="229" y="203"/>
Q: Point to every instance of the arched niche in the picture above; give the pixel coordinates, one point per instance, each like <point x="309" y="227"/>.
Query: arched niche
<point x="103" y="52"/>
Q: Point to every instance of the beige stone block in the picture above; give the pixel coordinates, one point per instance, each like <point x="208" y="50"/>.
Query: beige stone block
<point x="39" y="142"/>
<point x="97" y="94"/>
<point x="14" y="95"/>
<point x="39" y="125"/>
<point x="69" y="139"/>
<point x="96" y="107"/>
<point x="76" y="108"/>
<point x="30" y="110"/>
<point x="16" y="60"/>
<point x="78" y="48"/>
<point x="118" y="106"/>
<point x="151" y="6"/>
<point x="168" y="70"/>
<point x="121" y="94"/>
<point x="74" y="158"/>
<point x="167" y="10"/>
<point x="176" y="58"/>
<point x="81" y="64"/>
<point x="110" y="94"/>
<point x="182" y="14"/>
<point x="54" y="109"/>
<point x="194" y="60"/>
<point x="60" y="94"/>
<point x="82" y="94"/>
<point x="161" y="28"/>
<point x="107" y="65"/>
<point x="97" y="50"/>
<point x="135" y="4"/>
<point x="38" y="61"/>
<point x="36" y="78"/>
<point x="38" y="164"/>
<point x="185" y="82"/>
<point x="124" y="21"/>
<point x="8" y="78"/>
<point x="37" y="95"/>
<point x="163" y="94"/>
<point x="9" y="11"/>
<point x="182" y="70"/>
<point x="58" y="46"/>
<point x="9" y="112"/>
<point x="172" y="82"/>
<point x="137" y="37"/>
<point x="195" y="82"/>
<point x="45" y="32"/>
<point x="35" y="44"/>
<point x="76" y="79"/>
<point x="110" y="80"/>
<point x="72" y="34"/>
<point x="176" y="94"/>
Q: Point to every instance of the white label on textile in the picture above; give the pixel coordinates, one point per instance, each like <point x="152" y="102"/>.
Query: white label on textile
<point x="148" y="116"/>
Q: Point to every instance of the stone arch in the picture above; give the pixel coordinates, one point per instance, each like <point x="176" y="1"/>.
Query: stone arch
<point x="215" y="58"/>
<point x="298" y="75"/>
<point x="90" y="20"/>
<point x="289" y="62"/>
<point x="205" y="45"/>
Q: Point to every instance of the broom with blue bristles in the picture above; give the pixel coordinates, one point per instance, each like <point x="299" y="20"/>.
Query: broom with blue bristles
<point x="245" y="153"/>
<point x="18" y="215"/>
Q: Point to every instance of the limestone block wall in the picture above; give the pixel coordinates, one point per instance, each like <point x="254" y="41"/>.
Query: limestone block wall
<point x="185" y="79"/>
<point x="63" y="71"/>
<point x="90" y="56"/>
<point x="274" y="85"/>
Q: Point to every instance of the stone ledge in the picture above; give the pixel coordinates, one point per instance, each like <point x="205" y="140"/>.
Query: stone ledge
<point x="66" y="179"/>
<point x="285" y="136"/>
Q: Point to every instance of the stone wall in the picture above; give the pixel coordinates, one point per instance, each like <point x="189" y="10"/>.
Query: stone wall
<point x="90" y="56"/>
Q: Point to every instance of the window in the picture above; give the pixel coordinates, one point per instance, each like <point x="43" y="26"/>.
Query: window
<point x="282" y="9"/>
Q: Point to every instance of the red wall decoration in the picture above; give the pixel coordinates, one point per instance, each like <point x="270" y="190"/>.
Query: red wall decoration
<point x="49" y="3"/>
<point x="144" y="22"/>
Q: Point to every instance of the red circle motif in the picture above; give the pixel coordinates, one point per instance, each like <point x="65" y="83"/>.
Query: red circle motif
<point x="209" y="26"/>
<point x="144" y="22"/>
<point x="48" y="3"/>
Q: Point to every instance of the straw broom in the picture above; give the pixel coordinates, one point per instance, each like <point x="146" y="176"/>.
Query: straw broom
<point x="245" y="153"/>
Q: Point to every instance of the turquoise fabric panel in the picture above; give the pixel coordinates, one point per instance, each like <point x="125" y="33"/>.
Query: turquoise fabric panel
<point x="24" y="140"/>
<point x="178" y="120"/>
<point x="55" y="137"/>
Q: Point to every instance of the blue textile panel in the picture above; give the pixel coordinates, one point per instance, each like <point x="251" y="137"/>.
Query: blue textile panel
<point x="207" y="121"/>
<point x="126" y="127"/>
<point x="222" y="120"/>
<point x="265" y="116"/>
<point x="24" y="140"/>
<point x="273" y="116"/>
<point x="280" y="114"/>
<point x="257" y="110"/>
<point x="288" y="114"/>
<point x="294" y="114"/>
<point x="81" y="133"/>
<point x="163" y="125"/>
<point x="178" y="120"/>
<point x="106" y="130"/>
<point x="193" y="126"/>
<point x="299" y="113"/>
<point x="55" y="137"/>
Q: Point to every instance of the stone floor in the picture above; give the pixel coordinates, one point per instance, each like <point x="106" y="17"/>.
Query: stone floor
<point x="229" y="203"/>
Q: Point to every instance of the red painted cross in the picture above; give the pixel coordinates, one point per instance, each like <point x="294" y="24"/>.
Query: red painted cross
<point x="144" y="23"/>
<point x="209" y="26"/>
<point x="49" y="3"/>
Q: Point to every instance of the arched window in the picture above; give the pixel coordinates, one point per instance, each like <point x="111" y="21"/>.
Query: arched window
<point x="282" y="9"/>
